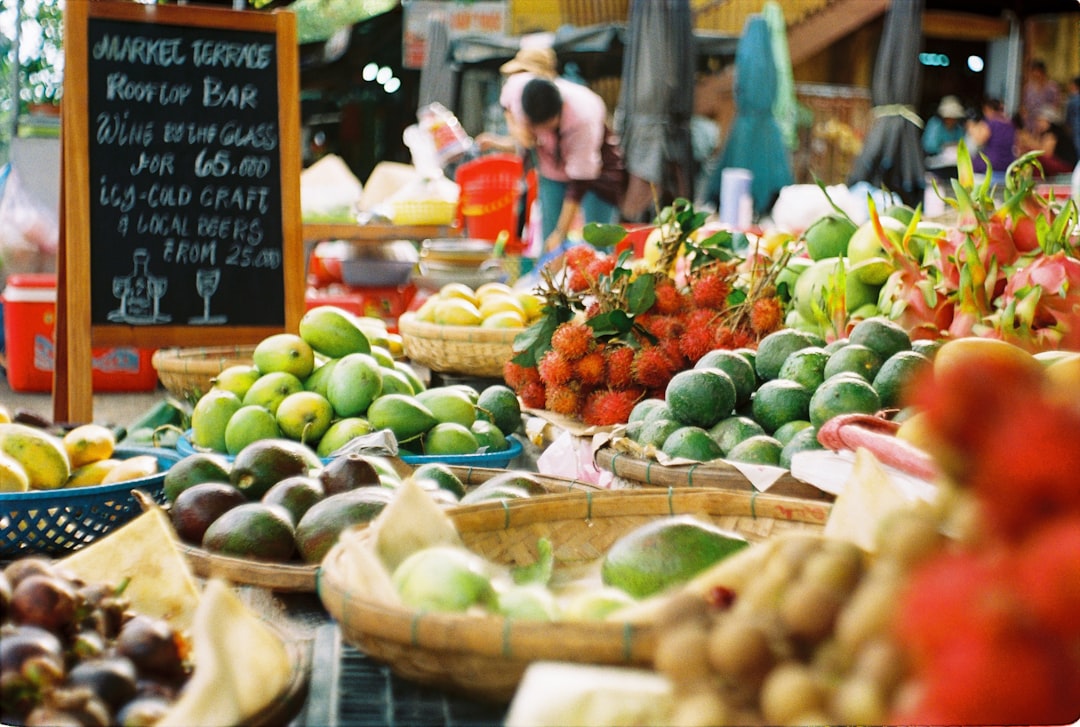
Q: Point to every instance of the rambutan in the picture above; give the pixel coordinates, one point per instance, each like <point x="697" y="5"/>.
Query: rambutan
<point x="554" y="369"/>
<point x="653" y="368"/>
<point x="593" y="310"/>
<point x="604" y="407"/>
<point x="710" y="291"/>
<point x="578" y="257"/>
<point x="533" y="394"/>
<point x="600" y="265"/>
<point x="620" y="366"/>
<point x="565" y="400"/>
<point x="668" y="299"/>
<point x="696" y="342"/>
<point x="724" y="337"/>
<point x="766" y="315"/>
<point x="516" y="376"/>
<point x="662" y="326"/>
<point x="573" y="340"/>
<point x="577" y="280"/>
<point x="742" y="338"/>
<point x="700" y="318"/>
<point x="673" y="349"/>
<point x="591" y="369"/>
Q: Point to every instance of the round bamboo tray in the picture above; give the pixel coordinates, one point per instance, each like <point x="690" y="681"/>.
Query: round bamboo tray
<point x="485" y="656"/>
<point x="188" y="373"/>
<point x="297" y="577"/>
<point x="646" y="472"/>
<point x="469" y="350"/>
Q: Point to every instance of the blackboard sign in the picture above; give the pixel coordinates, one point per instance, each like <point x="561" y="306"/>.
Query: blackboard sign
<point x="184" y="169"/>
<point x="181" y="168"/>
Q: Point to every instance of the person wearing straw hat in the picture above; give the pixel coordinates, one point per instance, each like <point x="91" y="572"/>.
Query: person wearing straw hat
<point x="942" y="135"/>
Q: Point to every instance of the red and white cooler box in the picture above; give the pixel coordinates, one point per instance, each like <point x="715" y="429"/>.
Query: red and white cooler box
<point x="29" y="301"/>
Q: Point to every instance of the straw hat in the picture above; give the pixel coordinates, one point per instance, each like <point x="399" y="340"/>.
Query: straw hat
<point x="951" y="108"/>
<point x="539" y="61"/>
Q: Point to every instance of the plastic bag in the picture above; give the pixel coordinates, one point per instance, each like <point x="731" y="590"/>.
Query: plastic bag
<point x="29" y="232"/>
<point x="450" y="139"/>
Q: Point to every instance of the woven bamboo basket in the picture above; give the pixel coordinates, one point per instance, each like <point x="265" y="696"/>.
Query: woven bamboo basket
<point x="188" y="373"/>
<point x="469" y="350"/>
<point x="485" y="656"/>
<point x="298" y="577"/>
<point x="645" y="472"/>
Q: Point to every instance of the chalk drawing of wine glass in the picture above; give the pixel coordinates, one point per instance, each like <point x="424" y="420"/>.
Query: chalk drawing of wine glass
<point x="158" y="284"/>
<point x="121" y="284"/>
<point x="206" y="283"/>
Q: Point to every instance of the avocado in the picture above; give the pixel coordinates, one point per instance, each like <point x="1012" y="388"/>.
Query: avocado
<point x="347" y="472"/>
<point x="201" y="504"/>
<point x="296" y="494"/>
<point x="261" y="464"/>
<point x="193" y="469"/>
<point x="321" y="525"/>
<point x="253" y="530"/>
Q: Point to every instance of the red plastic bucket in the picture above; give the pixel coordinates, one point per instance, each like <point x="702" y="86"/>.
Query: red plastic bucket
<point x="489" y="197"/>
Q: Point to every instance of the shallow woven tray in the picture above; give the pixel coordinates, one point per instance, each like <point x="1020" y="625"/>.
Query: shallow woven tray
<point x="468" y="350"/>
<point x="485" y="656"/>
<point x="188" y="373"/>
<point x="297" y="577"/>
<point x="646" y="472"/>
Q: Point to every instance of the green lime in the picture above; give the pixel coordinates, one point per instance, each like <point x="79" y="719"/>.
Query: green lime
<point x="499" y="405"/>
<point x="656" y="432"/>
<point x="885" y="337"/>
<point x="834" y="346"/>
<point x="786" y="432"/>
<point x="734" y="365"/>
<point x="700" y="397"/>
<point x="658" y="412"/>
<point x="828" y="236"/>
<point x="729" y="432"/>
<point x="691" y="443"/>
<point x="758" y="449"/>
<point x="854" y="358"/>
<point x="927" y="347"/>
<point x="806" y="366"/>
<point x="895" y="374"/>
<point x="803" y="441"/>
<point x="842" y="394"/>
<point x="774" y="349"/>
<point x="642" y="409"/>
<point x="750" y="355"/>
<point x="780" y="401"/>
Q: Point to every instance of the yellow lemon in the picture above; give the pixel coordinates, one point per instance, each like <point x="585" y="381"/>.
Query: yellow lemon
<point x="426" y="312"/>
<point x="89" y="443"/>
<point x="531" y="304"/>
<point x="503" y="319"/>
<point x="500" y="303"/>
<point x="458" y="290"/>
<point x="457" y="312"/>
<point x="495" y="288"/>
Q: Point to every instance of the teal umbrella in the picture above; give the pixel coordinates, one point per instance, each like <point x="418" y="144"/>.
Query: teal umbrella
<point x="755" y="141"/>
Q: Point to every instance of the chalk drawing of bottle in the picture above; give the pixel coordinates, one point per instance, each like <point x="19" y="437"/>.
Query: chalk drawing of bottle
<point x="139" y="293"/>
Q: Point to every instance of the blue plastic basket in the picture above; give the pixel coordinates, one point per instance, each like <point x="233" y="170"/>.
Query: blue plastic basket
<point x="56" y="522"/>
<point x="482" y="459"/>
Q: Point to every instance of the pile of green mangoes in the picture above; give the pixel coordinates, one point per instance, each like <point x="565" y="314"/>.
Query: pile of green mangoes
<point x="763" y="406"/>
<point x="278" y="501"/>
<point x="335" y="380"/>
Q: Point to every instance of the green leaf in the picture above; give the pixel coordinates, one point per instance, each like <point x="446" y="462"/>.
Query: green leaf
<point x="599" y="235"/>
<point x="535" y="340"/>
<point x="640" y="294"/>
<point x="612" y="323"/>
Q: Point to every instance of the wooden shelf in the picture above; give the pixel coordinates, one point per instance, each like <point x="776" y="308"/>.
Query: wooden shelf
<point x="316" y="232"/>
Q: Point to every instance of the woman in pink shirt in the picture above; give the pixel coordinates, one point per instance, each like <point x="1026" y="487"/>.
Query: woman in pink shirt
<point x="578" y="157"/>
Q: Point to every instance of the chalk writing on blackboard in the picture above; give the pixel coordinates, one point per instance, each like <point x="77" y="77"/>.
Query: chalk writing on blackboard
<point x="185" y="169"/>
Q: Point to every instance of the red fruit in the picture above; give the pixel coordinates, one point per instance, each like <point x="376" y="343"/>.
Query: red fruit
<point x="724" y="337"/>
<point x="700" y="318"/>
<point x="573" y="340"/>
<point x="1048" y="569"/>
<point x="673" y="349"/>
<point x="710" y="291"/>
<point x="554" y="369"/>
<point x="662" y="326"/>
<point x="578" y="257"/>
<point x="1024" y="234"/>
<point x="533" y="395"/>
<point x="620" y="362"/>
<point x="696" y="342"/>
<point x="564" y="400"/>
<point x="668" y="299"/>
<point x="591" y="369"/>
<point x="600" y="266"/>
<point x="652" y="368"/>
<point x="577" y="280"/>
<point x="605" y="407"/>
<point x="515" y="375"/>
<point x="766" y="315"/>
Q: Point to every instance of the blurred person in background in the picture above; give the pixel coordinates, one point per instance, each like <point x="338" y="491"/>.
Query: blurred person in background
<point x="993" y="136"/>
<point x="1053" y="140"/>
<point x="1072" y="111"/>
<point x="1040" y="92"/>
<point x="942" y="135"/>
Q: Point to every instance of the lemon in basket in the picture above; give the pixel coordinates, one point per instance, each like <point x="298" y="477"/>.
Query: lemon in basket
<point x="457" y="312"/>
<point x="458" y="290"/>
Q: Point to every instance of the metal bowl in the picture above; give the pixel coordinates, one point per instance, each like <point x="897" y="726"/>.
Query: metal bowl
<point x="387" y="265"/>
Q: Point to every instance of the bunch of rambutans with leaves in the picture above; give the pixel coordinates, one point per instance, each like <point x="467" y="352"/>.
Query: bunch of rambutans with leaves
<point x="615" y="329"/>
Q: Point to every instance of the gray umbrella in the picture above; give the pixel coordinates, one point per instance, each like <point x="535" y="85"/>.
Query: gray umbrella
<point x="892" y="156"/>
<point x="437" y="76"/>
<point x="656" y="100"/>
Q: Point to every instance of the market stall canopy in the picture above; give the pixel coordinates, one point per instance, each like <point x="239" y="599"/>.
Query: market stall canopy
<point x="892" y="155"/>
<point x="1021" y="8"/>
<point x="656" y="101"/>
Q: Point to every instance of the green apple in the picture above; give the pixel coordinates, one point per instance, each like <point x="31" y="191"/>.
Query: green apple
<point x="210" y="416"/>
<point x="284" y="352"/>
<point x="237" y="378"/>
<point x="249" y="424"/>
<point x="269" y="390"/>
<point x="304" y="416"/>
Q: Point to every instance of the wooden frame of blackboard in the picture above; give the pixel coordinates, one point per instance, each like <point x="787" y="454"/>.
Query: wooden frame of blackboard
<point x="76" y="303"/>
